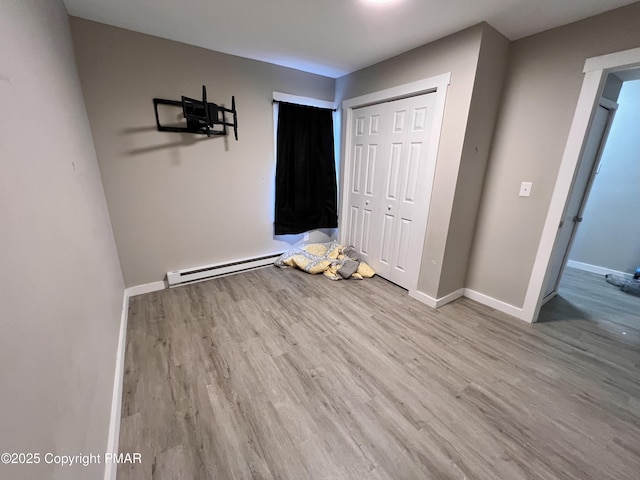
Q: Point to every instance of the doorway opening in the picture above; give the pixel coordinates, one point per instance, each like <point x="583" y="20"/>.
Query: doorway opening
<point x="596" y="71"/>
<point x="605" y="239"/>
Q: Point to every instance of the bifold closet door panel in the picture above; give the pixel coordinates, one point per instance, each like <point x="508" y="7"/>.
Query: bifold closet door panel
<point x="368" y="157"/>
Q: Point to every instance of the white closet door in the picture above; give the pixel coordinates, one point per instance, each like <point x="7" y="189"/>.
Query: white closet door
<point x="388" y="201"/>
<point x="367" y="158"/>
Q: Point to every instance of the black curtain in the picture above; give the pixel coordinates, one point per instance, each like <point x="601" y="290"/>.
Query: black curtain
<point x="305" y="170"/>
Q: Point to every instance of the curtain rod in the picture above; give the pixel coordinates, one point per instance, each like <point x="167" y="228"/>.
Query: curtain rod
<point x="303" y="105"/>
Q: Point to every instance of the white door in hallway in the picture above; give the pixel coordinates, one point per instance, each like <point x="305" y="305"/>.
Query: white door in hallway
<point x="585" y="173"/>
<point x="388" y="200"/>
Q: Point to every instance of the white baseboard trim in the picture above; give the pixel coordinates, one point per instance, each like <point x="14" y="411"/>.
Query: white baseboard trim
<point x="110" y="468"/>
<point x="146" y="288"/>
<point x="450" y="297"/>
<point x="596" y="269"/>
<point x="496" y="304"/>
<point x="423" y="297"/>
<point x="433" y="302"/>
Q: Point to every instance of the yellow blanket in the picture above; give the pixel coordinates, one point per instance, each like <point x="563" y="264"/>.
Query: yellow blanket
<point x="325" y="258"/>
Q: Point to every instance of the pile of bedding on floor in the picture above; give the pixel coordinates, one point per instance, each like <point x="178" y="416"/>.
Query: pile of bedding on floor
<point x="333" y="260"/>
<point x="632" y="287"/>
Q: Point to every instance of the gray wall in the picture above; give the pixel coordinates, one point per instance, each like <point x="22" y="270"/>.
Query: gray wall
<point x="180" y="200"/>
<point x="459" y="169"/>
<point x="61" y="287"/>
<point x="541" y="91"/>
<point x="483" y="112"/>
<point x="609" y="236"/>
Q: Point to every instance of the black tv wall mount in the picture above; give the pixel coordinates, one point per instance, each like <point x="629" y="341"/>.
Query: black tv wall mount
<point x="202" y="117"/>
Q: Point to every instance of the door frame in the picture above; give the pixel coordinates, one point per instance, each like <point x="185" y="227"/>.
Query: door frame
<point x="611" y="108"/>
<point x="595" y="72"/>
<point x="438" y="85"/>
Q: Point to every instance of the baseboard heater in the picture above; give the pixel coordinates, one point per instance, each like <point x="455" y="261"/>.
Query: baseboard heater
<point x="205" y="272"/>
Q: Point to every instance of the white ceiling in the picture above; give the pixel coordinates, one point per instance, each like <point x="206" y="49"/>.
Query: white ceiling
<point x="329" y="37"/>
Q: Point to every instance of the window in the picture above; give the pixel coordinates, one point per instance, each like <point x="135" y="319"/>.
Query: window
<point x="305" y="186"/>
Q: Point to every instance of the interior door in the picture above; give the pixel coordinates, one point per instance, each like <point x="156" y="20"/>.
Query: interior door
<point x="388" y="199"/>
<point x="579" y="193"/>
<point x="368" y="152"/>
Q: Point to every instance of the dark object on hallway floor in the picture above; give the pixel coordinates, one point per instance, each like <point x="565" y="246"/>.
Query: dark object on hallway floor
<point x="632" y="287"/>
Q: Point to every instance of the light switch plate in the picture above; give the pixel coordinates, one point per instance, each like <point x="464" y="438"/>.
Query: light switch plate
<point x="525" y="189"/>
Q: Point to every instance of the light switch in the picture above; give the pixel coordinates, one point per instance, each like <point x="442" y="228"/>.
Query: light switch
<point x="525" y="189"/>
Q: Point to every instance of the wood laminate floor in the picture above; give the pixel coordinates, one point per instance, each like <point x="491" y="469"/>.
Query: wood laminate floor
<point x="587" y="298"/>
<point x="276" y="374"/>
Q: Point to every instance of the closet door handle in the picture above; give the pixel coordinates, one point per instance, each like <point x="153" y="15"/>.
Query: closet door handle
<point x="389" y="207"/>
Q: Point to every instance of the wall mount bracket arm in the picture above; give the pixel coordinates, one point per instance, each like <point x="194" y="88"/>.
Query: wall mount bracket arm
<point x="202" y="117"/>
